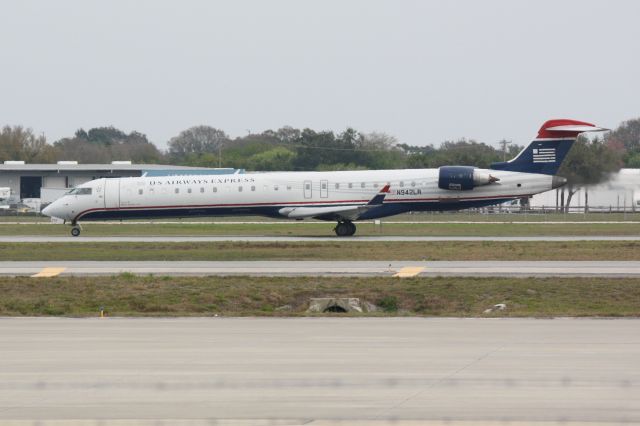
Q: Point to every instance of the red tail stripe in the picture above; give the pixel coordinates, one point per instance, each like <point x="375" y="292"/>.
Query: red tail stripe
<point x="544" y="133"/>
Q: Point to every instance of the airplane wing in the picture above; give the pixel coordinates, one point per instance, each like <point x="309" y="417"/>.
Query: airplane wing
<point x="335" y="212"/>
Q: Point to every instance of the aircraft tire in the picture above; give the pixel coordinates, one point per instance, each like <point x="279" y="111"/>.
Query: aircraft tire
<point x="342" y="229"/>
<point x="352" y="228"/>
<point x="75" y="231"/>
<point x="345" y="229"/>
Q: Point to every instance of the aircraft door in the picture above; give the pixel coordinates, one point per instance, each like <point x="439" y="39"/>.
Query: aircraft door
<point x="308" y="191"/>
<point x="112" y="193"/>
<point x="324" y="189"/>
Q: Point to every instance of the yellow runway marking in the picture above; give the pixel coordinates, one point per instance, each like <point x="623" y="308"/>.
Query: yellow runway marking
<point x="49" y="272"/>
<point x="409" y="271"/>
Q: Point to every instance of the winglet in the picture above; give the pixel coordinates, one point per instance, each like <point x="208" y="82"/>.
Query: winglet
<point x="379" y="197"/>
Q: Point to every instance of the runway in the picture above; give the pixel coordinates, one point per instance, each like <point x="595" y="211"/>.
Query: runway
<point x="318" y="371"/>
<point x="333" y="239"/>
<point x="330" y="268"/>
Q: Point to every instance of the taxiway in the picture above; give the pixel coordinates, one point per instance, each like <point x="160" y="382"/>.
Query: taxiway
<point x="328" y="268"/>
<point x="312" y="371"/>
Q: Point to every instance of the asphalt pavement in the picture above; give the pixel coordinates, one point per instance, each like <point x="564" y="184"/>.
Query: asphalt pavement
<point x="328" y="268"/>
<point x="319" y="371"/>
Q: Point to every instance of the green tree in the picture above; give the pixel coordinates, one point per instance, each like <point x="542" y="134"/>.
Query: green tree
<point x="105" y="144"/>
<point x="106" y="136"/>
<point x="626" y="140"/>
<point x="380" y="151"/>
<point x="197" y="140"/>
<point x="462" y="152"/>
<point x="276" y="159"/>
<point x="589" y="162"/>
<point x="19" y="143"/>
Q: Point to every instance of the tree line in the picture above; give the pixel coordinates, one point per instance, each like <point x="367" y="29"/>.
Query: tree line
<point x="283" y="149"/>
<point x="589" y="162"/>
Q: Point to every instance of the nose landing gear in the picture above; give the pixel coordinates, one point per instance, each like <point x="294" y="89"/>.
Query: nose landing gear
<point x="345" y="229"/>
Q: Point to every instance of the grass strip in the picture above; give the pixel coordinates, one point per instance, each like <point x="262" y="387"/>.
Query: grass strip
<point x="129" y="295"/>
<point x="372" y="250"/>
<point x="324" y="229"/>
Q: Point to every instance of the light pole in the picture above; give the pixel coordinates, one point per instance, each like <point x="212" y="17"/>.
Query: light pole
<point x="504" y="144"/>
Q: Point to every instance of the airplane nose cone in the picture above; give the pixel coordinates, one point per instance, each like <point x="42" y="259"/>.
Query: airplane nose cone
<point x="557" y="182"/>
<point x="53" y="210"/>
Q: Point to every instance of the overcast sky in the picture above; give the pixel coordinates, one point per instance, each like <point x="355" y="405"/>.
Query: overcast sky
<point x="423" y="71"/>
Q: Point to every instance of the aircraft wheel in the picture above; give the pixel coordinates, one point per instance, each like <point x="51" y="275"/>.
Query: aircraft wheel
<point x="75" y="231"/>
<point x="345" y="229"/>
<point x="352" y="228"/>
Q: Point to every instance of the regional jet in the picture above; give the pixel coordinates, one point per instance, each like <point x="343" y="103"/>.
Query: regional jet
<point x="341" y="196"/>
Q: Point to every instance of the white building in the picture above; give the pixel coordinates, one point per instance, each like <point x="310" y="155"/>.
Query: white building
<point x="620" y="193"/>
<point x="36" y="184"/>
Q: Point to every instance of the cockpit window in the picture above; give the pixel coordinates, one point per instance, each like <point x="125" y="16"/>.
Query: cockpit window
<point x="80" y="191"/>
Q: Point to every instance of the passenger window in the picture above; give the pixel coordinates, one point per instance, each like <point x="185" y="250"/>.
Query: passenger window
<point x="413" y="184"/>
<point x="375" y="185"/>
<point x="275" y="187"/>
<point x="140" y="191"/>
<point x="350" y="185"/>
<point x="337" y="186"/>
<point x="362" y="185"/>
<point x="288" y="187"/>
<point x="240" y="189"/>
<point x="324" y="185"/>
<point x="189" y="190"/>
<point x="253" y="188"/>
<point x="215" y="189"/>
<point x="401" y="184"/>
<point x="201" y="189"/>
<point x="177" y="190"/>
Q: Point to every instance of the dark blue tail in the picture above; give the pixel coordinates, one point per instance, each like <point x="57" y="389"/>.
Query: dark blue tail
<point x="546" y="153"/>
<point x="541" y="156"/>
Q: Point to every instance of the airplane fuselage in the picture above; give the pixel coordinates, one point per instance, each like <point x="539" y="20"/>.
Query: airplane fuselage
<point x="274" y="194"/>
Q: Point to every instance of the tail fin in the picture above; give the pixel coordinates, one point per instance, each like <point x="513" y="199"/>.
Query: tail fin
<point x="547" y="151"/>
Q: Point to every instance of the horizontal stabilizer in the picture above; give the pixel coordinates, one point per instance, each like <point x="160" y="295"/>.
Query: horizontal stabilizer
<point x="579" y="129"/>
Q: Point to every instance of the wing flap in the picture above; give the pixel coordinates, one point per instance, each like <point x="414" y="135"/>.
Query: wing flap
<point x="335" y="212"/>
<point x="308" y="212"/>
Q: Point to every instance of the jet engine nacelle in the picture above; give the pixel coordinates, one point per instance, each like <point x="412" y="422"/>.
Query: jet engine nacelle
<point x="463" y="178"/>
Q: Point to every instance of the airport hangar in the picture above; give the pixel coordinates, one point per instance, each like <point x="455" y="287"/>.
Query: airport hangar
<point x="36" y="185"/>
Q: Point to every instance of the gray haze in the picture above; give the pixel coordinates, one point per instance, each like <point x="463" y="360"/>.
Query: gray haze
<point x="422" y="71"/>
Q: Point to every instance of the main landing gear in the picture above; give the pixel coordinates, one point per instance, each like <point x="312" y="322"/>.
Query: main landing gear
<point x="345" y="229"/>
<point x="75" y="230"/>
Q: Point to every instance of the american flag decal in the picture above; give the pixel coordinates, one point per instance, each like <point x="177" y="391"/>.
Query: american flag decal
<point x="544" y="155"/>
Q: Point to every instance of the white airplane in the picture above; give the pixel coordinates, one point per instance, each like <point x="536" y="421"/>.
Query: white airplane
<point x="342" y="196"/>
